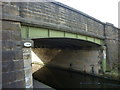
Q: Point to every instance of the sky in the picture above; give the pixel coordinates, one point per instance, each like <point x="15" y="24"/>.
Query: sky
<point x="103" y="10"/>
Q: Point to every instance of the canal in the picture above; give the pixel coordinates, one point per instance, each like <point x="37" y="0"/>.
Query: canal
<point x="59" y="78"/>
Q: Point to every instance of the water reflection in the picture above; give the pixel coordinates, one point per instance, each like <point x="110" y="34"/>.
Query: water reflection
<point x="58" y="78"/>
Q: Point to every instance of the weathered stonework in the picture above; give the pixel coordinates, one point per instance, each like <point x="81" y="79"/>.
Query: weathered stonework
<point x="27" y="67"/>
<point x="111" y="42"/>
<point x="53" y="15"/>
<point x="12" y="57"/>
<point x="12" y="61"/>
<point x="119" y="51"/>
<point x="16" y="60"/>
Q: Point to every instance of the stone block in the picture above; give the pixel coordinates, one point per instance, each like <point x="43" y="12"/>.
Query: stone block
<point x="111" y="32"/>
<point x="27" y="63"/>
<point x="8" y="55"/>
<point x="18" y="45"/>
<point x="18" y="55"/>
<point x="8" y="77"/>
<point x="26" y="57"/>
<point x="8" y="45"/>
<point x="8" y="66"/>
<point x="28" y="81"/>
<point x="20" y="75"/>
<point x="10" y="10"/>
<point x="16" y="35"/>
<point x="6" y="35"/>
<point x="20" y="84"/>
<point x="18" y="65"/>
<point x="7" y="25"/>
<point x="28" y="72"/>
<point x="6" y="86"/>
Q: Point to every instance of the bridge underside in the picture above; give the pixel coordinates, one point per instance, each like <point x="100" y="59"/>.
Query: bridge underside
<point x="63" y="43"/>
<point x="64" y="52"/>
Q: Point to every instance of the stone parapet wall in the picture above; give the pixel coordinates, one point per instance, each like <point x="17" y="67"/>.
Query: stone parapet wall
<point x="60" y="16"/>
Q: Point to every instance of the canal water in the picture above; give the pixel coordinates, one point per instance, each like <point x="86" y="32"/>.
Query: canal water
<point x="59" y="78"/>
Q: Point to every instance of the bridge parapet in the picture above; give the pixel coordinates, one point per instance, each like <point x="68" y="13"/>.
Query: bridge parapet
<point x="60" y="17"/>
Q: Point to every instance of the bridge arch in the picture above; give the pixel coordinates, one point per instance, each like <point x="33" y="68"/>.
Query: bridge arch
<point x="61" y="44"/>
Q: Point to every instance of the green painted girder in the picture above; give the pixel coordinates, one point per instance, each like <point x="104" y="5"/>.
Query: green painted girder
<point x="34" y="32"/>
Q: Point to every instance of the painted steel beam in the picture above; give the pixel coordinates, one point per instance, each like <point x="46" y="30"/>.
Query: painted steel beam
<point x="34" y="32"/>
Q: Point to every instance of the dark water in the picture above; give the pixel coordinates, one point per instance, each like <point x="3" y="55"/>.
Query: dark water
<point x="58" y="78"/>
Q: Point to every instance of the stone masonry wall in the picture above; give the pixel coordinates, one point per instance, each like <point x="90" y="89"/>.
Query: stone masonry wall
<point x="12" y="57"/>
<point x="58" y="16"/>
<point x="111" y="42"/>
<point x="27" y="67"/>
<point x="119" y="50"/>
<point x="48" y="15"/>
<point x="16" y="59"/>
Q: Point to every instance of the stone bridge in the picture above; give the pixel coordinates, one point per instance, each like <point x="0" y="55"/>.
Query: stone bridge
<point x="61" y="37"/>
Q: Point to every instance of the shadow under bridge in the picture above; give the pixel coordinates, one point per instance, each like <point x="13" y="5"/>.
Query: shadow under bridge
<point x="63" y="43"/>
<point x="66" y="53"/>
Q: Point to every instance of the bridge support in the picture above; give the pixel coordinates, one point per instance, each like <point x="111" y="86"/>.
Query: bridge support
<point x="27" y="67"/>
<point x="15" y="71"/>
<point x="12" y="56"/>
<point x="27" y="44"/>
<point x="112" y="50"/>
<point x="103" y="59"/>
